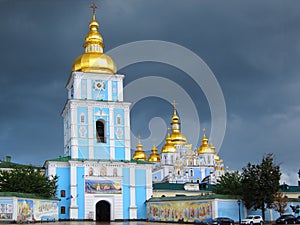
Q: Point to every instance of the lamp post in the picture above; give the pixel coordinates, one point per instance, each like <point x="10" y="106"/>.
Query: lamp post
<point x="239" y="204"/>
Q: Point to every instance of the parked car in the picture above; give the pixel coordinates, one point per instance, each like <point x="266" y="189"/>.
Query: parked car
<point x="222" y="221"/>
<point x="286" y="219"/>
<point x="253" y="219"/>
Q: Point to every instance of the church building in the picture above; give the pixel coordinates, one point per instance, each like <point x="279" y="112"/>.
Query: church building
<point x="179" y="163"/>
<point x="96" y="177"/>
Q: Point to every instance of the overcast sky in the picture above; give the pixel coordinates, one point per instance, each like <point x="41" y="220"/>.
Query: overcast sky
<point x="251" y="47"/>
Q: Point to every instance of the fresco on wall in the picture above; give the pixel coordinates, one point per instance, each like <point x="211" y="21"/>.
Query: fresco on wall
<point x="179" y="211"/>
<point x="6" y="209"/>
<point x="25" y="210"/>
<point x="45" y="210"/>
<point x="103" y="187"/>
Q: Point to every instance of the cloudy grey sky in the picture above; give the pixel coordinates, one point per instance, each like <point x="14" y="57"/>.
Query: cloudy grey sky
<point x="251" y="47"/>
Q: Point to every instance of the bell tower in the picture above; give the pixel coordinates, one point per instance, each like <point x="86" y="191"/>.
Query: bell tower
<point x="96" y="120"/>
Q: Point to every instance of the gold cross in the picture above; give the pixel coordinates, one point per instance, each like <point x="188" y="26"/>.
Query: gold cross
<point x="94" y="7"/>
<point x="174" y="104"/>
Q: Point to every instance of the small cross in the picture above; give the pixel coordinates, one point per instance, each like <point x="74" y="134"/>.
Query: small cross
<point x="169" y="130"/>
<point x="94" y="7"/>
<point x="174" y="104"/>
<point x="204" y="131"/>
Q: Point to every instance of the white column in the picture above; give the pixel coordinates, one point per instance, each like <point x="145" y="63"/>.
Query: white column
<point x="132" y="207"/>
<point x="73" y="192"/>
<point x="120" y="90"/>
<point x="112" y="133"/>
<point x="127" y="133"/>
<point x="148" y="182"/>
<point x="74" y="134"/>
<point x="77" y="86"/>
<point x="109" y="90"/>
<point x="88" y="89"/>
<point x="90" y="132"/>
<point x="214" y="205"/>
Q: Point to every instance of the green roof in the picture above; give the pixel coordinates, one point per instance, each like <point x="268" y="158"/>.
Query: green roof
<point x="5" y="164"/>
<point x="287" y="188"/>
<point x="23" y="195"/>
<point x="167" y="186"/>
<point x="68" y="158"/>
<point x="178" y="187"/>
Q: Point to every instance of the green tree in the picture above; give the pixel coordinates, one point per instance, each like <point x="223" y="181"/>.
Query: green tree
<point x="229" y="184"/>
<point x="260" y="183"/>
<point x="280" y="202"/>
<point x="28" y="180"/>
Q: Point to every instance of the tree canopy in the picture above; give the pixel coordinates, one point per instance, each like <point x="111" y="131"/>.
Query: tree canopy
<point x="28" y="180"/>
<point x="257" y="184"/>
<point x="229" y="184"/>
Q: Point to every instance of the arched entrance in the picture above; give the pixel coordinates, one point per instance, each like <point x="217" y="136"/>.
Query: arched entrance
<point x="102" y="211"/>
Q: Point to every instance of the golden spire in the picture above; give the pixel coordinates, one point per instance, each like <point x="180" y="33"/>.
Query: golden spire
<point x="176" y="136"/>
<point x="94" y="60"/>
<point x="154" y="157"/>
<point x="205" y="147"/>
<point x="139" y="154"/>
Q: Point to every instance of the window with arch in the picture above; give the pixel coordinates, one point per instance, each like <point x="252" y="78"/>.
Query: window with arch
<point x="192" y="172"/>
<point x="62" y="193"/>
<point x="115" y="172"/>
<point x="82" y="118"/>
<point x="62" y="210"/>
<point x="100" y="128"/>
<point x="119" y="120"/>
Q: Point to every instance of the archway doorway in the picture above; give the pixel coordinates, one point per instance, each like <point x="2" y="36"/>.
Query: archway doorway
<point x="102" y="211"/>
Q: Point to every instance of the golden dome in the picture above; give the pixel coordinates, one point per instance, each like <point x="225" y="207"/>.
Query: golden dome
<point x="154" y="157"/>
<point x="176" y="136"/>
<point x="217" y="157"/>
<point x="139" y="154"/>
<point x="94" y="60"/>
<point x="205" y="148"/>
<point x="169" y="146"/>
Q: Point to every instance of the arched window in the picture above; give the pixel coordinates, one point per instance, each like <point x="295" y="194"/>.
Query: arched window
<point x="62" y="193"/>
<point x="62" y="210"/>
<point x="115" y="172"/>
<point x="192" y="172"/>
<point x="82" y="118"/>
<point x="100" y="127"/>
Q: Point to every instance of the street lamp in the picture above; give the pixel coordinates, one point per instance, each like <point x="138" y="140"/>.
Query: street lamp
<point x="239" y="204"/>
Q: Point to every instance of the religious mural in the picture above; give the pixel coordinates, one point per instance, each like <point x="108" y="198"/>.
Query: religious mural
<point x="45" y="210"/>
<point x="6" y="209"/>
<point x="180" y="211"/>
<point x="103" y="187"/>
<point x="25" y="210"/>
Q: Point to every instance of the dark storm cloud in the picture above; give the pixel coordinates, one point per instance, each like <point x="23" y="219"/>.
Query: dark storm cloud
<point x="252" y="47"/>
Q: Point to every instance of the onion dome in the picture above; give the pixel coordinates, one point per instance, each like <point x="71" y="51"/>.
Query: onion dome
<point x="176" y="136"/>
<point x="205" y="148"/>
<point x="139" y="154"/>
<point x="94" y="60"/>
<point x="154" y="157"/>
<point x="169" y="146"/>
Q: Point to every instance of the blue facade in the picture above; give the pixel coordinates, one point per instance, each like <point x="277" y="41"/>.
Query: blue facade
<point x="63" y="184"/>
<point x="126" y="192"/>
<point x="80" y="191"/>
<point x="140" y="193"/>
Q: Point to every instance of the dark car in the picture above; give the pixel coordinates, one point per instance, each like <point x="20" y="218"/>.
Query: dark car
<point x="222" y="221"/>
<point x="298" y="219"/>
<point x="286" y="219"/>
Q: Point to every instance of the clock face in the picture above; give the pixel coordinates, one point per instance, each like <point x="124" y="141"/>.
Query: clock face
<point x="99" y="85"/>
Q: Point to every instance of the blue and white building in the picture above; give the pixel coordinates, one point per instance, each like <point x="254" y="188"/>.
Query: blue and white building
<point x="97" y="178"/>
